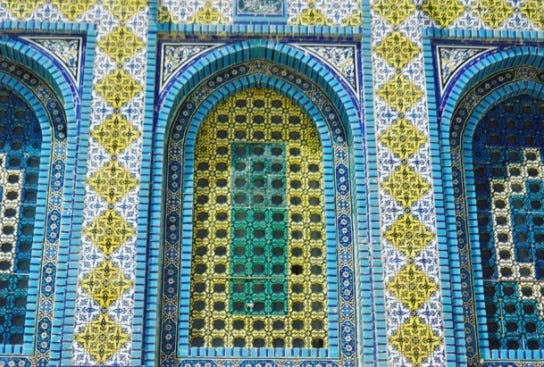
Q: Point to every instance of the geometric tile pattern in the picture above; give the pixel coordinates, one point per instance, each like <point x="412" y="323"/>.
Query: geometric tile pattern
<point x="22" y="9"/>
<point x="208" y="15"/>
<point x="73" y="9"/>
<point x="321" y="12"/>
<point x="120" y="44"/>
<point x="406" y="186"/>
<point x="124" y="11"/>
<point x="409" y="235"/>
<point x="394" y="13"/>
<point x="112" y="182"/>
<point x="415" y="340"/>
<point x="412" y="287"/>
<point x="312" y="16"/>
<point x="102" y="338"/>
<point x="492" y="12"/>
<point x="196" y="11"/>
<point x="534" y="11"/>
<point x="108" y="279"/>
<point x="106" y="283"/>
<point x="403" y="138"/>
<point x="118" y="87"/>
<point x="397" y="50"/>
<point x="443" y="12"/>
<point x="115" y="134"/>
<point x="109" y="231"/>
<point x="401" y="93"/>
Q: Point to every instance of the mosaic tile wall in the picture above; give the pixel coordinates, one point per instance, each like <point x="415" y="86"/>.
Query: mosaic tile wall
<point x="104" y="325"/>
<point x="104" y="304"/>
<point x="408" y="222"/>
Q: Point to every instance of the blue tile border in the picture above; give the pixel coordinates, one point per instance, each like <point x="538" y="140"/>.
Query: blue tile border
<point x="372" y="285"/>
<point x="262" y="30"/>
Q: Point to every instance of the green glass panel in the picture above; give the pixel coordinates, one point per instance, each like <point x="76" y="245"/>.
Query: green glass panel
<point x="258" y="249"/>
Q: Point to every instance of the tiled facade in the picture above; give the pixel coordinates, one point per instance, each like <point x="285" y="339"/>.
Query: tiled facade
<point x="369" y="246"/>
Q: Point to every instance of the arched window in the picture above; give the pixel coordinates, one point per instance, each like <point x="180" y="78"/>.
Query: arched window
<point x="20" y="149"/>
<point x="508" y="173"/>
<point x="257" y="254"/>
<point x="33" y="151"/>
<point x="258" y="276"/>
<point x="496" y="236"/>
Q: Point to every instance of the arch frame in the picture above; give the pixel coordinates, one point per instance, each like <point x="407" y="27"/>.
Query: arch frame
<point x="188" y="84"/>
<point x="469" y="94"/>
<point x="44" y="83"/>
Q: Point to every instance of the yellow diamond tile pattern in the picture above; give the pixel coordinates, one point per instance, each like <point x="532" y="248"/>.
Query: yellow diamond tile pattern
<point x="112" y="182"/>
<point x="120" y="44"/>
<point x="163" y="15"/>
<point x="106" y="283"/>
<point x="397" y="50"/>
<point x="394" y="11"/>
<point x="492" y="12"/>
<point x="406" y="186"/>
<point x="412" y="287"/>
<point x="124" y="9"/>
<point x="415" y="340"/>
<point x="444" y="12"/>
<point x="354" y="20"/>
<point x="102" y="338"/>
<point x="534" y="11"/>
<point x="312" y="16"/>
<point x="118" y="87"/>
<point x="115" y="134"/>
<point x="409" y="235"/>
<point x="73" y="9"/>
<point x="22" y="8"/>
<point x="109" y="231"/>
<point x="208" y="15"/>
<point x="400" y="93"/>
<point x="403" y="138"/>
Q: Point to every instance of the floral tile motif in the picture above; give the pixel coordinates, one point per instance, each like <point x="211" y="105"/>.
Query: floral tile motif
<point x="66" y="49"/>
